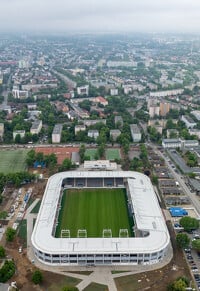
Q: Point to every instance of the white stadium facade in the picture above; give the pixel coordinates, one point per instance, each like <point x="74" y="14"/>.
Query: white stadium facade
<point x="151" y="241"/>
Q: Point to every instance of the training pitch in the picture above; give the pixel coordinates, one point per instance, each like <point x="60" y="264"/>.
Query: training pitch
<point x="12" y="161"/>
<point x="112" y="154"/>
<point x="94" y="210"/>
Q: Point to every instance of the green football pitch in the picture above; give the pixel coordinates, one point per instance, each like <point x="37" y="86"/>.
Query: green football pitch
<point x="12" y="161"/>
<point x="91" y="153"/>
<point x="112" y="154"/>
<point x="94" y="210"/>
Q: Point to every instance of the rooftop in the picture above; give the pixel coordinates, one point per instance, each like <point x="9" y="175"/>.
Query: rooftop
<point x="147" y="212"/>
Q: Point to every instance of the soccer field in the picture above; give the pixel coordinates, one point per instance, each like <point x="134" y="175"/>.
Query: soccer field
<point x="91" y="153"/>
<point x="12" y="161"/>
<point x="94" y="210"/>
<point x="112" y="154"/>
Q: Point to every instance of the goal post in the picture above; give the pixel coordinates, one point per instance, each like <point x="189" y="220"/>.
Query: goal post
<point x="107" y="232"/>
<point x="65" y="233"/>
<point x="82" y="233"/>
<point x="123" y="232"/>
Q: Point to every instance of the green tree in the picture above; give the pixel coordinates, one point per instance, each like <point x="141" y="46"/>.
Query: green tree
<point x="180" y="284"/>
<point x="154" y="180"/>
<point x="3" y="214"/>
<point x="10" y="234"/>
<point x="196" y="245"/>
<point x="7" y="271"/>
<point x="2" y="252"/>
<point x="189" y="223"/>
<point x="37" y="277"/>
<point x="30" y="158"/>
<point x="182" y="240"/>
<point x="101" y="150"/>
<point x="82" y="152"/>
<point x="66" y="165"/>
<point x="18" y="138"/>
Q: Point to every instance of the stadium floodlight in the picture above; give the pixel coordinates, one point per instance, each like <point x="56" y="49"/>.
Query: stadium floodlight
<point x="65" y="233"/>
<point x="123" y="232"/>
<point x="82" y="233"/>
<point x="107" y="232"/>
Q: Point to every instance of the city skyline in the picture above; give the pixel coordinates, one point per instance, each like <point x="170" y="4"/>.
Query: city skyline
<point x="100" y="16"/>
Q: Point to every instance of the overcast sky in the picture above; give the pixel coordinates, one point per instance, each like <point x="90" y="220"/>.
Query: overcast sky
<point x="100" y="15"/>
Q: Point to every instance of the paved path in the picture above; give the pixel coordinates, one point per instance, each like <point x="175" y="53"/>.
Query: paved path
<point x="30" y="217"/>
<point x="101" y="275"/>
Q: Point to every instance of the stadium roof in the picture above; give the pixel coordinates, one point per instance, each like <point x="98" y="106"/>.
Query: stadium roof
<point x="148" y="217"/>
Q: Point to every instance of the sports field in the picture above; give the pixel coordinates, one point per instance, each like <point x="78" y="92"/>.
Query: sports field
<point x="12" y="161"/>
<point x="112" y="154"/>
<point x="91" y="153"/>
<point x="94" y="210"/>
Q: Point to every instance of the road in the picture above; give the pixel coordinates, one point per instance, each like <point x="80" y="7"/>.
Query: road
<point x="67" y="80"/>
<point x="194" y="199"/>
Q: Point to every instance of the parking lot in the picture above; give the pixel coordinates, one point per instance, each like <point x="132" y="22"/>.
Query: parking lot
<point x="193" y="259"/>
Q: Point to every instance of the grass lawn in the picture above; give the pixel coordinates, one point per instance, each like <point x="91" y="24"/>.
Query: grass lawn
<point x="96" y="287"/>
<point x="12" y="161"/>
<point x="128" y="283"/>
<point x="36" y="208"/>
<point x="91" y="153"/>
<point x="67" y="281"/>
<point x="112" y="154"/>
<point x="22" y="231"/>
<point x="94" y="210"/>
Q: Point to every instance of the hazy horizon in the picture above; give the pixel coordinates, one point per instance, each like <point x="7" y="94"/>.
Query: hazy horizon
<point x="87" y="16"/>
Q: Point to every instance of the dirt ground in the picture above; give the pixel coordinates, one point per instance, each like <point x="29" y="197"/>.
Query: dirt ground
<point x="153" y="280"/>
<point x="60" y="152"/>
<point x="158" y="279"/>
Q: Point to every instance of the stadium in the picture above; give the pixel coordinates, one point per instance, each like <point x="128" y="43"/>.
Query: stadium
<point x="147" y="244"/>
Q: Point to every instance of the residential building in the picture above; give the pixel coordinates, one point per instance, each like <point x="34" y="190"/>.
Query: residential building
<point x="194" y="131"/>
<point x="1" y="130"/>
<point x="20" y="94"/>
<point x="101" y="100"/>
<point x="83" y="90"/>
<point x="166" y="93"/>
<point x="56" y="134"/>
<point x="190" y="144"/>
<point x="196" y="113"/>
<point x="90" y="122"/>
<point x="135" y="133"/>
<point x="154" y="111"/>
<point x="1" y="78"/>
<point x="72" y="115"/>
<point x="114" y="133"/>
<point x="171" y="143"/>
<point x="36" y="127"/>
<point x="93" y="133"/>
<point x="164" y="108"/>
<point x="115" y="64"/>
<point x="189" y="122"/>
<point x="113" y="91"/>
<point x="79" y="127"/>
<point x="119" y="121"/>
<point x="20" y="132"/>
<point x="174" y="143"/>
